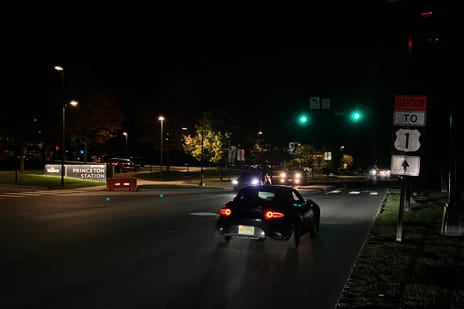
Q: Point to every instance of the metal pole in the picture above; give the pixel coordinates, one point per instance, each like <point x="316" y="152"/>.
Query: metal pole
<point x="161" y="148"/>
<point x="63" y="98"/>
<point x="202" y="158"/>
<point x="399" y="228"/>
<point x="62" y="144"/>
<point x="125" y="148"/>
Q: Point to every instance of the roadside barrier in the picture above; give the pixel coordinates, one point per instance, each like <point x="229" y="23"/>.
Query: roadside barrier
<point x="121" y="184"/>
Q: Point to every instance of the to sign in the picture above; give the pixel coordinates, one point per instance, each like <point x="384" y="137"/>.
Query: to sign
<point x="409" y="118"/>
<point x="407" y="140"/>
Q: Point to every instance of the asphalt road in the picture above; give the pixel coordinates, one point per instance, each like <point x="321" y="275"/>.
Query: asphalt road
<point x="158" y="249"/>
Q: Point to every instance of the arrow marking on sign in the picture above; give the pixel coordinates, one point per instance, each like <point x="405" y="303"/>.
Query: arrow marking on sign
<point x="405" y="165"/>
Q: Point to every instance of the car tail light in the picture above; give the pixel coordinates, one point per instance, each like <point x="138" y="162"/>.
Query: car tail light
<point x="269" y="215"/>
<point x="226" y="212"/>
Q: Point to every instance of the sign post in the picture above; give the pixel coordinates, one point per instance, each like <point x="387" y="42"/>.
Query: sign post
<point x="409" y="118"/>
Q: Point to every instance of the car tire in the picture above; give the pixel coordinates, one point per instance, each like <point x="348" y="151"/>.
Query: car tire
<point x="227" y="238"/>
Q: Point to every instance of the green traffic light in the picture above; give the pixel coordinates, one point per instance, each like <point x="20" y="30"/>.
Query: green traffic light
<point x="356" y="116"/>
<point x="303" y="119"/>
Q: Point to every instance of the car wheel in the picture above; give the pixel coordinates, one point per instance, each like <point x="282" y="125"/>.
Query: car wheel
<point x="227" y="238"/>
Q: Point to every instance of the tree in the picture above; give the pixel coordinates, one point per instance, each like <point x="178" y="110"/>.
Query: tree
<point x="305" y="157"/>
<point x="206" y="144"/>
<point x="97" y="120"/>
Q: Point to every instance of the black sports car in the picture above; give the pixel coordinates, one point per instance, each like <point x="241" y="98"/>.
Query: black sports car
<point x="268" y="211"/>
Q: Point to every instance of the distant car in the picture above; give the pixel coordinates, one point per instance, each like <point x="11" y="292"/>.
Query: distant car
<point x="138" y="160"/>
<point x="292" y="177"/>
<point x="382" y="173"/>
<point x="122" y="165"/>
<point x="268" y="211"/>
<point x="251" y="178"/>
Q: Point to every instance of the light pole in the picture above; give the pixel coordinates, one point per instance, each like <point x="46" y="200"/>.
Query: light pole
<point x="63" y="113"/>
<point x="161" y="119"/>
<point x="202" y="183"/>
<point x="65" y="105"/>
<point x="184" y="132"/>
<point x="341" y="158"/>
<point x="125" y="149"/>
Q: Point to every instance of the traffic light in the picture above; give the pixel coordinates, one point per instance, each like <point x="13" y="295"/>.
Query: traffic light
<point x="356" y="115"/>
<point x="303" y="119"/>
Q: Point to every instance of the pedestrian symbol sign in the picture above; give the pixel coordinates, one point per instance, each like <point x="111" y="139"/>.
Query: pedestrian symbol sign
<point x="405" y="165"/>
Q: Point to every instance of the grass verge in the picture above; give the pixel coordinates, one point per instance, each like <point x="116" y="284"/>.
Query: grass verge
<point x="423" y="270"/>
<point x="36" y="178"/>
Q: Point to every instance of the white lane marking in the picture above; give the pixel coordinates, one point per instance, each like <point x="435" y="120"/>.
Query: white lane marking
<point x="204" y="214"/>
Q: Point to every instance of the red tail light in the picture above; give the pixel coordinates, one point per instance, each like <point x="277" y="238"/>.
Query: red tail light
<point x="268" y="215"/>
<point x="225" y="212"/>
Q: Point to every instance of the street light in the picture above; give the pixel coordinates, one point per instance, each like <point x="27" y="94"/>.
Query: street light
<point x="161" y="119"/>
<point x="125" y="149"/>
<point x="63" y="119"/>
<point x="202" y="183"/>
<point x="65" y="105"/>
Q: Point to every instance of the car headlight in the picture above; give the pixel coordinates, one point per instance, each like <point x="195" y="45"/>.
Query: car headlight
<point x="234" y="182"/>
<point x="255" y="181"/>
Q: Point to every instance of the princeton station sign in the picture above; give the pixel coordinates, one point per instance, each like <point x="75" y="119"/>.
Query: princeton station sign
<point x="95" y="172"/>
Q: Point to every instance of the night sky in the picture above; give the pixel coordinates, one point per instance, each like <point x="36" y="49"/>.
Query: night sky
<point x="259" y="64"/>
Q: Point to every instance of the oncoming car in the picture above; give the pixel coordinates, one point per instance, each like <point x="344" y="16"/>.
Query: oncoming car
<point x="292" y="177"/>
<point x="268" y="211"/>
<point x="251" y="178"/>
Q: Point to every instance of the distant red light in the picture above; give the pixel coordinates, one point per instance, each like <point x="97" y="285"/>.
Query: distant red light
<point x="410" y="45"/>
<point x="426" y="14"/>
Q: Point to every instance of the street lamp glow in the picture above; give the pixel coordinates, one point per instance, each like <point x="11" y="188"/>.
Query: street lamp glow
<point x="161" y="119"/>
<point x="58" y="68"/>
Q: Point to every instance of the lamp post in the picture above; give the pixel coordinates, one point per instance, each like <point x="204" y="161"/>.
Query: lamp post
<point x="341" y="158"/>
<point x="63" y="119"/>
<point x="125" y="148"/>
<point x="65" y="105"/>
<point x="184" y="131"/>
<point x="202" y="183"/>
<point x="161" y="119"/>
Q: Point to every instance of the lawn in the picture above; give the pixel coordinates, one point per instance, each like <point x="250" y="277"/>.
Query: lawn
<point x="425" y="269"/>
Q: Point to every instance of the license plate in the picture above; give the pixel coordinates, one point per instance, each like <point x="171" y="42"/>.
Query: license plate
<point x="246" y="230"/>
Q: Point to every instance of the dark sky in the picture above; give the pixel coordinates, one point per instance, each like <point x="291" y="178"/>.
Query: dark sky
<point x="262" y="63"/>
